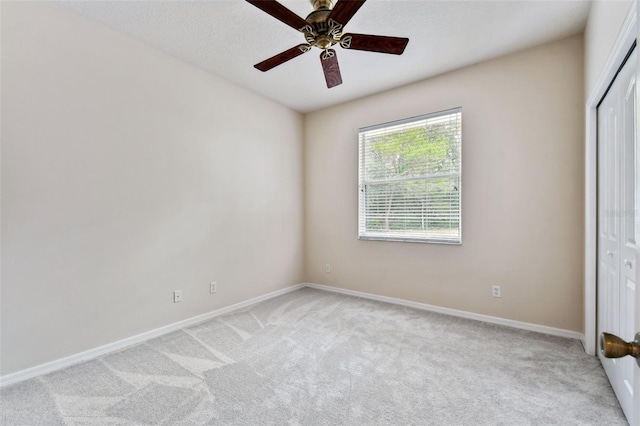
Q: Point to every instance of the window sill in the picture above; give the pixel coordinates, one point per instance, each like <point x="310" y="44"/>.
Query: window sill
<point x="410" y="240"/>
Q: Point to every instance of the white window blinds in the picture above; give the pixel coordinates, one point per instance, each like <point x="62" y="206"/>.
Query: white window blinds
<point x="410" y="179"/>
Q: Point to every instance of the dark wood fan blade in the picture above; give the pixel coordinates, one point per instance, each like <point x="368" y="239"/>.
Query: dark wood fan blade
<point x="280" y="12"/>
<point x="283" y="57"/>
<point x="344" y="10"/>
<point x="374" y="43"/>
<point x="331" y="68"/>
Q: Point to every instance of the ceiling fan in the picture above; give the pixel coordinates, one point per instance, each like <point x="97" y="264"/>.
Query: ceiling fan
<point x="323" y="28"/>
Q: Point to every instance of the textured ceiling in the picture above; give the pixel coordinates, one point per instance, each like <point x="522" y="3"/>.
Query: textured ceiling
<point x="227" y="37"/>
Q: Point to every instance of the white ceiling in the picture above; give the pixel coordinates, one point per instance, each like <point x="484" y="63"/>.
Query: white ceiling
<point x="227" y="37"/>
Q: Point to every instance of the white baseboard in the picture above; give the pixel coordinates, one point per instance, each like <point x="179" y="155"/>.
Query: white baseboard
<point x="456" y="313"/>
<point x="61" y="363"/>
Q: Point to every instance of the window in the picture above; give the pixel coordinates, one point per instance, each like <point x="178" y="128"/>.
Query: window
<point x="410" y="179"/>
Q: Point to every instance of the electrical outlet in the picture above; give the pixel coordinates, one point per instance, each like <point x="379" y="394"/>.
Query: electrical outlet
<point x="327" y="268"/>
<point x="496" y="291"/>
<point x="213" y="287"/>
<point x="177" y="296"/>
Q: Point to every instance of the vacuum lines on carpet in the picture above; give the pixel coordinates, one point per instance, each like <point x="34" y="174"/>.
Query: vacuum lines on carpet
<point x="311" y="357"/>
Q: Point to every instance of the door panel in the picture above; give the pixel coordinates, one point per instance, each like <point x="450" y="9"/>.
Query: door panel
<point x="617" y="248"/>
<point x="627" y="226"/>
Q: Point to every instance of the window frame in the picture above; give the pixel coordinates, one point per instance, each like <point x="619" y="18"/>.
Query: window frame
<point x="365" y="235"/>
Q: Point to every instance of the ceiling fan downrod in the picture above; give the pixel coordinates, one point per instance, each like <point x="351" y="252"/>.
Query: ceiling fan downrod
<point x="322" y="4"/>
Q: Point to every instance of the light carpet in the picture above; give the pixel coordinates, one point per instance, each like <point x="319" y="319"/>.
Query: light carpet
<point x="311" y="357"/>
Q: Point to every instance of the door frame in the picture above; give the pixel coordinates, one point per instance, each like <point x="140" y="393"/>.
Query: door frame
<point x="618" y="53"/>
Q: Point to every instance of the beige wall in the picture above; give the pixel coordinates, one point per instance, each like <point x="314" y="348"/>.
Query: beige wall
<point x="522" y="192"/>
<point x="604" y="24"/>
<point x="120" y="183"/>
<point x="127" y="174"/>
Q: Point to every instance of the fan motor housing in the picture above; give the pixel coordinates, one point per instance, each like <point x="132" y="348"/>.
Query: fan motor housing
<point x="318" y="17"/>
<point x="322" y="35"/>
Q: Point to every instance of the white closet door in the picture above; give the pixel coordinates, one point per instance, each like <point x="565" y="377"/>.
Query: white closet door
<point x="617" y="248"/>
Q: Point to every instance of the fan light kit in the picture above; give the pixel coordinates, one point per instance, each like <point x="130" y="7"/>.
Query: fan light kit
<point x="323" y="28"/>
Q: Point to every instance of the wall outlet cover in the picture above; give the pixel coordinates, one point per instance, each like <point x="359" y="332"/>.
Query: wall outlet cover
<point x="496" y="291"/>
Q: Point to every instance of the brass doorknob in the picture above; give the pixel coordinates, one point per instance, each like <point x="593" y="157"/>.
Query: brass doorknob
<point x="612" y="346"/>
